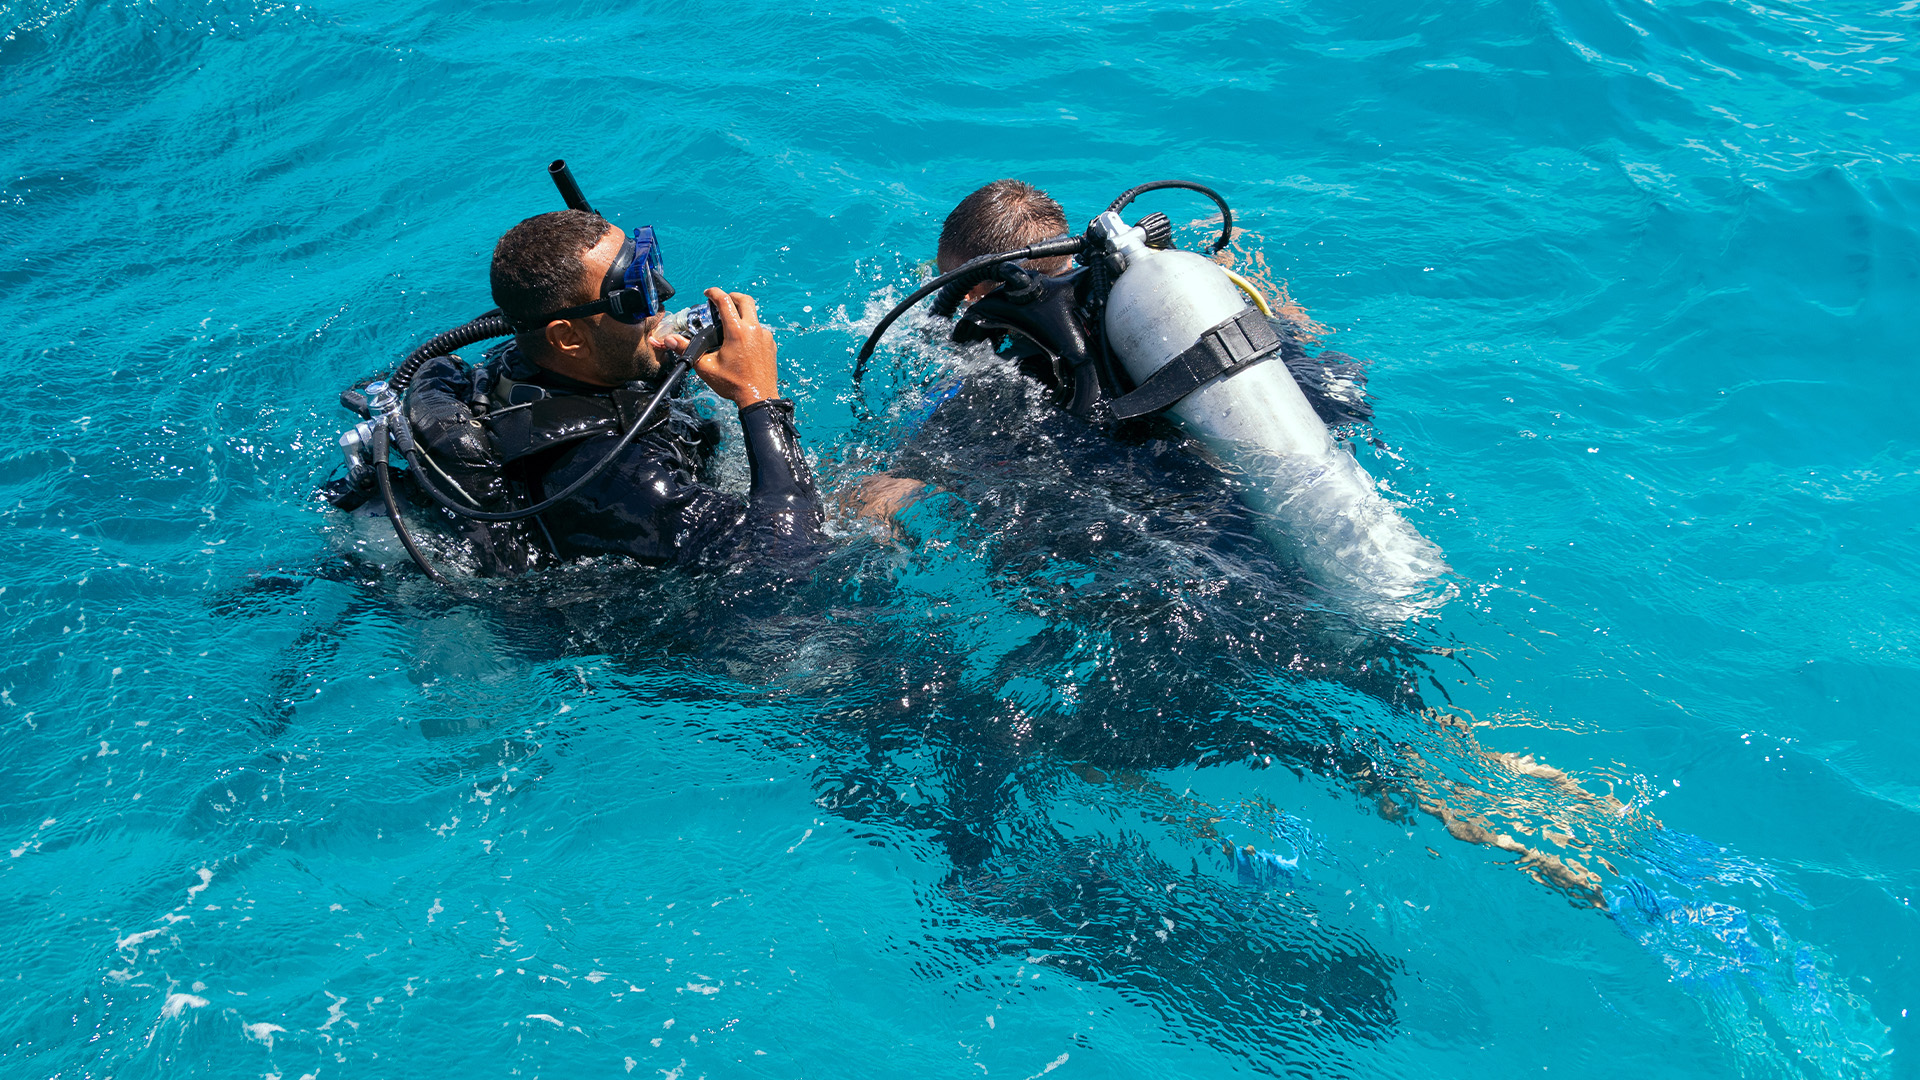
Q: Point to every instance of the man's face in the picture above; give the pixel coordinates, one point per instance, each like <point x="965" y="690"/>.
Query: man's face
<point x="620" y="353"/>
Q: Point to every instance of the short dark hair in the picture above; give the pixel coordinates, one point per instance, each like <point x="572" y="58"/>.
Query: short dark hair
<point x="1002" y="216"/>
<point x="537" y="266"/>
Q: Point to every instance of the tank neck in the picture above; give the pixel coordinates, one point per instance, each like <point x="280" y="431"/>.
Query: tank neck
<point x="1123" y="243"/>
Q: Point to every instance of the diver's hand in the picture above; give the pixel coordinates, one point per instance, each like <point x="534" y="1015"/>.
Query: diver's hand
<point x="745" y="369"/>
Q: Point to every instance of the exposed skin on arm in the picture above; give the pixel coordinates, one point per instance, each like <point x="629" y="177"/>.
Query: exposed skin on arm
<point x="881" y="496"/>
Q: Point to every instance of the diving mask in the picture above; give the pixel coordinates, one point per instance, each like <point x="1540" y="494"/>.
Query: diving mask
<point x="634" y="288"/>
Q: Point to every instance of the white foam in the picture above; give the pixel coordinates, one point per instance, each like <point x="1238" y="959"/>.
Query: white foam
<point x="1057" y="1062"/>
<point x="179" y="1003"/>
<point x="336" y="1011"/>
<point x="206" y="879"/>
<point x="263" y="1033"/>
<point x="131" y="940"/>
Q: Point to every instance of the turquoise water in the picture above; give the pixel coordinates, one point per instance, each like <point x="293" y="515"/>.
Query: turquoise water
<point x="1635" y="282"/>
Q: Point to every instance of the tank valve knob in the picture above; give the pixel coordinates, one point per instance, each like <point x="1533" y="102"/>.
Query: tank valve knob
<point x="1158" y="229"/>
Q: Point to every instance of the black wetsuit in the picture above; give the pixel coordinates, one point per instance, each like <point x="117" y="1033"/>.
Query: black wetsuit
<point x="510" y="434"/>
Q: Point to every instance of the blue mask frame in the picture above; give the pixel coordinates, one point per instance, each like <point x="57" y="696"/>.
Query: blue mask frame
<point x="635" y="287"/>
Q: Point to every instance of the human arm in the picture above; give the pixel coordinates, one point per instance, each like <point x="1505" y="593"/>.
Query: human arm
<point x="745" y="371"/>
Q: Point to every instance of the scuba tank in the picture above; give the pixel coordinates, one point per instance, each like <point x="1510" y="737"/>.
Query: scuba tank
<point x="1195" y="348"/>
<point x="1173" y="333"/>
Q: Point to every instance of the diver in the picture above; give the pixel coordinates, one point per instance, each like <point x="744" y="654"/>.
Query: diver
<point x="1100" y="325"/>
<point x="565" y="442"/>
<point x="1050" y="341"/>
<point x="1045" y="329"/>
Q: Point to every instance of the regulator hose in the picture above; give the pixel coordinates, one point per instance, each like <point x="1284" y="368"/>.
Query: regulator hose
<point x="957" y="281"/>
<point x="1016" y="281"/>
<point x="1226" y="212"/>
<point x="491" y="324"/>
<point x="383" y="473"/>
<point x="972" y="272"/>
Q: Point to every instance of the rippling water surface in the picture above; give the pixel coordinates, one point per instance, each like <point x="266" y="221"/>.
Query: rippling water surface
<point x="1076" y="774"/>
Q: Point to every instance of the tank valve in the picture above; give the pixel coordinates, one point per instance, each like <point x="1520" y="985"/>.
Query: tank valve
<point x="1158" y="229"/>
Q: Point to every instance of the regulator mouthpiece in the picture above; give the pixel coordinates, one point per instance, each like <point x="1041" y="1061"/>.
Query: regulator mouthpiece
<point x="699" y="324"/>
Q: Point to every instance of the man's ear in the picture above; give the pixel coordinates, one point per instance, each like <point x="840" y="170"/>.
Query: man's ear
<point x="565" y="338"/>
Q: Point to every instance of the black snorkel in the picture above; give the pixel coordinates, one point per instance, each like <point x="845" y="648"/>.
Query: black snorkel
<point x="489" y="324"/>
<point x="569" y="191"/>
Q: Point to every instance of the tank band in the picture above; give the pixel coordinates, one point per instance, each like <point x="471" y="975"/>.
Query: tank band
<point x="1241" y="341"/>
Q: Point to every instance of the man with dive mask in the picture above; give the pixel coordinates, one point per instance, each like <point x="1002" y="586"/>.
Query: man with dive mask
<point x="591" y="347"/>
<point x="1047" y="337"/>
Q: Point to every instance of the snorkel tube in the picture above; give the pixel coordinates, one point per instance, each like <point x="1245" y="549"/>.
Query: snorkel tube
<point x="1177" y="337"/>
<point x="569" y="191"/>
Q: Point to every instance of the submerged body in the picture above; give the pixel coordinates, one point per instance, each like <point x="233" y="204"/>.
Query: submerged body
<point x="559" y="448"/>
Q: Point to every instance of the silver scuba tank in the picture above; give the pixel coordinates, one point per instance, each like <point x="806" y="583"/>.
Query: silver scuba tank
<point x="1178" y="311"/>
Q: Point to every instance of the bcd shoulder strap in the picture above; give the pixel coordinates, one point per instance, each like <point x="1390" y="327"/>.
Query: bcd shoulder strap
<point x="548" y="422"/>
<point x="1238" y="342"/>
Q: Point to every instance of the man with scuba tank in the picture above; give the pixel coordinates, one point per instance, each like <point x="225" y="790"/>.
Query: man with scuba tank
<point x="565" y="442"/>
<point x="1141" y="334"/>
<point x="1042" y="318"/>
<point x="1049" y="341"/>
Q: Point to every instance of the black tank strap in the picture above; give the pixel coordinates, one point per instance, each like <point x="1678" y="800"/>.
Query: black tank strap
<point x="1239" y="342"/>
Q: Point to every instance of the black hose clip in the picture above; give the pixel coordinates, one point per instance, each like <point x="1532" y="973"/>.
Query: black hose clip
<point x="1017" y="283"/>
<point x="1226" y="212"/>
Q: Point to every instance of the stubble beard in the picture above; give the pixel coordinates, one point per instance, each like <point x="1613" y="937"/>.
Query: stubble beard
<point x="640" y="364"/>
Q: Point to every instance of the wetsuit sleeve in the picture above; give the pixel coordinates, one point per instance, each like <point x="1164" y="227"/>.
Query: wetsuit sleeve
<point x="782" y="495"/>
